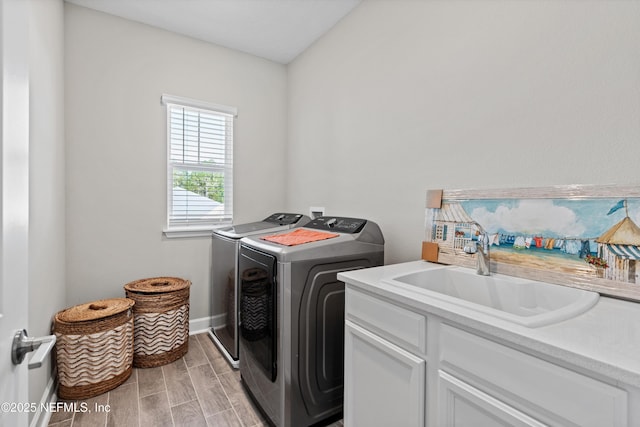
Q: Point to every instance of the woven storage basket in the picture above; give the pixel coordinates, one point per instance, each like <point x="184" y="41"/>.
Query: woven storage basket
<point x="161" y="317"/>
<point x="94" y="347"/>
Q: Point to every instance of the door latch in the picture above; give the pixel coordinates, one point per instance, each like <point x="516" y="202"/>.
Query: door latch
<point x="22" y="345"/>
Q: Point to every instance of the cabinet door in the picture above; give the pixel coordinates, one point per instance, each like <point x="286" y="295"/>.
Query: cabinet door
<point x="462" y="405"/>
<point x="384" y="384"/>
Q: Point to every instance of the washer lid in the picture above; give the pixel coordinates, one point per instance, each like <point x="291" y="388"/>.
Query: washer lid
<point x="366" y="242"/>
<point x="274" y="222"/>
<point x="241" y="230"/>
<point x="299" y="236"/>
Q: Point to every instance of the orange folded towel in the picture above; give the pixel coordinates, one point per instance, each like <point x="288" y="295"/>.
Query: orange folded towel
<point x="298" y="237"/>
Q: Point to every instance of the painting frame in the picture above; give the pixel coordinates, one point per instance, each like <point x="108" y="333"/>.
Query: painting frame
<point x="590" y="277"/>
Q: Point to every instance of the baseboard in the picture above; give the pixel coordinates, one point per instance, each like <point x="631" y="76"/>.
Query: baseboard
<point x="41" y="418"/>
<point x="219" y="320"/>
<point x="204" y="324"/>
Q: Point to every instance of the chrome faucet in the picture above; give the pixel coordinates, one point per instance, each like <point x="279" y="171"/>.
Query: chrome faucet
<point x="483" y="254"/>
<point x="481" y="249"/>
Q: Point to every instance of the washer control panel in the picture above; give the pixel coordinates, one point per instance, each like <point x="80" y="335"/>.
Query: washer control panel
<point x="337" y="224"/>
<point x="283" y="218"/>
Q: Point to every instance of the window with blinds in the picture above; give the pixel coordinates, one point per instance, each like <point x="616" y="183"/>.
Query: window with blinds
<point x="200" y="163"/>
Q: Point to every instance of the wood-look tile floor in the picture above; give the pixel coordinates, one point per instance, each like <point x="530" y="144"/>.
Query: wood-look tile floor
<point x="200" y="389"/>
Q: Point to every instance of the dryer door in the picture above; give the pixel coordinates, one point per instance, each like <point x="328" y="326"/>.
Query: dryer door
<point x="258" y="332"/>
<point x="321" y="338"/>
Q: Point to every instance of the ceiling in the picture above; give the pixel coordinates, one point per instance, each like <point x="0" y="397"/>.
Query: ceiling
<point x="278" y="30"/>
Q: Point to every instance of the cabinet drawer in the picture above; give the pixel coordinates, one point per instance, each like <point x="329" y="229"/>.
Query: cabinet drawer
<point x="549" y="393"/>
<point x="399" y="325"/>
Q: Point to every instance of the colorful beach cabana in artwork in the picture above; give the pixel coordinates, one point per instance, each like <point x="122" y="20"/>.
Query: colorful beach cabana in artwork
<point x="620" y="248"/>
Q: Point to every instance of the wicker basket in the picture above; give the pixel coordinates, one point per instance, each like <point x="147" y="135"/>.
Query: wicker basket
<point x="161" y="320"/>
<point x="94" y="347"/>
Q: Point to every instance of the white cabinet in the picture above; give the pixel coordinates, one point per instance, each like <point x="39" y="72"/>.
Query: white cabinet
<point x="400" y="372"/>
<point x="384" y="384"/>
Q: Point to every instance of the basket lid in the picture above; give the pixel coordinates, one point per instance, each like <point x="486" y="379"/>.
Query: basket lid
<point x="94" y="310"/>
<point x="157" y="285"/>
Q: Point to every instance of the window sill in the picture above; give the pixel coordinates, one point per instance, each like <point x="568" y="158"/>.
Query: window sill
<point x="185" y="233"/>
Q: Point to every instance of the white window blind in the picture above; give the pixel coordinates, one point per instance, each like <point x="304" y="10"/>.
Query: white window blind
<point x="200" y="163"/>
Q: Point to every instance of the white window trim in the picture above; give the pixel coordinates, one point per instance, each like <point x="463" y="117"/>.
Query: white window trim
<point x="194" y="103"/>
<point x="192" y="231"/>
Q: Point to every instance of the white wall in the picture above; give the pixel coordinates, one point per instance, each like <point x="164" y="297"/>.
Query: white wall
<point x="116" y="71"/>
<point x="46" y="176"/>
<point x="404" y="96"/>
<point x="401" y="96"/>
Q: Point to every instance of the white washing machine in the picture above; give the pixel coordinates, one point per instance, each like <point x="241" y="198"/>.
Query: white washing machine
<point x="292" y="317"/>
<point x="224" y="276"/>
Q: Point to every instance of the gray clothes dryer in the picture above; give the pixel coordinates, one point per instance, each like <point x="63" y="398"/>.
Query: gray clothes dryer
<point x="224" y="276"/>
<point x="292" y="318"/>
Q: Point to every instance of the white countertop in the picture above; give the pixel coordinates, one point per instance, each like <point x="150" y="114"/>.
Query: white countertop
<point x="604" y="340"/>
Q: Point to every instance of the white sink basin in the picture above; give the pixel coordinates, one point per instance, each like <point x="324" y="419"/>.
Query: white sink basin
<point x="522" y="301"/>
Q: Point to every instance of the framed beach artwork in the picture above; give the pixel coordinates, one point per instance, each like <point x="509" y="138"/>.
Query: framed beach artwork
<point x="581" y="236"/>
